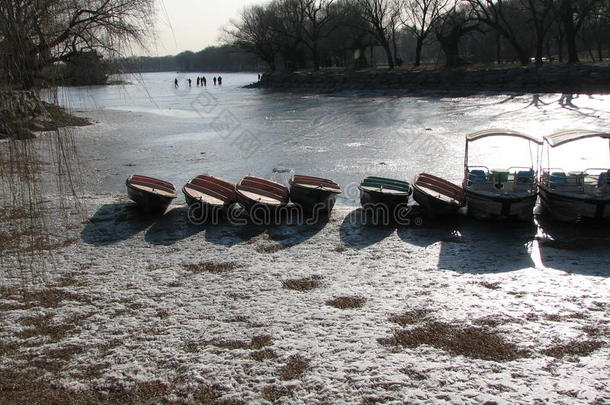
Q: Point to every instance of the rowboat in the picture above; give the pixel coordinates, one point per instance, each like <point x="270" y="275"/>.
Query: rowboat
<point x="208" y="196"/>
<point x="437" y="196"/>
<point x="256" y="193"/>
<point x="150" y="194"/>
<point x="500" y="193"/>
<point x="574" y="196"/>
<point x="384" y="191"/>
<point x="314" y="194"/>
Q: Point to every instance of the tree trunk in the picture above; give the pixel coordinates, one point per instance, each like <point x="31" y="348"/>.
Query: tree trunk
<point x="395" y="47"/>
<point x="315" y="56"/>
<point x="498" y="48"/>
<point x="449" y="45"/>
<point x="560" y="47"/>
<point x="567" y="17"/>
<point x="418" y="48"/>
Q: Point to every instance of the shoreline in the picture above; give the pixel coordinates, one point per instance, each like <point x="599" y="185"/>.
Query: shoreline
<point x="341" y="298"/>
<point x="583" y="78"/>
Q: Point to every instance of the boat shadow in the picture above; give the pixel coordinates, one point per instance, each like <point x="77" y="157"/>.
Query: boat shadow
<point x="574" y="248"/>
<point x="113" y="223"/>
<point x="358" y="230"/>
<point x="286" y="231"/>
<point x="476" y="247"/>
<point x="171" y="228"/>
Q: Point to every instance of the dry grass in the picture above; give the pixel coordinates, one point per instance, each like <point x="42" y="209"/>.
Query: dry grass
<point x="211" y="267"/>
<point x="294" y="367"/>
<point x="346" y="302"/>
<point x="270" y="248"/>
<point x="574" y="348"/>
<point x="26" y="387"/>
<point x="48" y="298"/>
<point x="595" y="330"/>
<point x="559" y="318"/>
<point x="262" y="355"/>
<point x="303" y="284"/>
<point x="18" y="213"/>
<point x="273" y="393"/>
<point x="42" y="326"/>
<point x="30" y="240"/>
<point x="61" y="118"/>
<point x="490" y="285"/>
<point x="410" y="317"/>
<point x="469" y="341"/>
<point x="492" y="321"/>
<point x="256" y="343"/>
<point x="340" y="249"/>
<point x="413" y="374"/>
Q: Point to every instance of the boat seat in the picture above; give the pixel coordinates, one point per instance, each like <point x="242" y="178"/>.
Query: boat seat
<point x="604" y="179"/>
<point x="477" y="176"/>
<point x="557" y="179"/>
<point x="525" y="177"/>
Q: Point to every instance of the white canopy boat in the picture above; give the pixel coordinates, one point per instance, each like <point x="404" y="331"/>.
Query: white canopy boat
<point x="501" y="193"/>
<point x="574" y="196"/>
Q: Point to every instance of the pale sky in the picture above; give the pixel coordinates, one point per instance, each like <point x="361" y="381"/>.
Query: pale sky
<point x="191" y="25"/>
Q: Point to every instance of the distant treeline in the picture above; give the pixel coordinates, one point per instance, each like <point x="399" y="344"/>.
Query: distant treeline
<point x="212" y="59"/>
<point x="295" y="34"/>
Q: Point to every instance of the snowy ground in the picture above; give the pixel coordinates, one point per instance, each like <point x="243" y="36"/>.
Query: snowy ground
<point x="455" y="312"/>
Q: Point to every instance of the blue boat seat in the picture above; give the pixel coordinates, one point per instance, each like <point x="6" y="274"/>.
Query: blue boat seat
<point x="604" y="179"/>
<point x="558" y="179"/>
<point x="477" y="176"/>
<point x="525" y="177"/>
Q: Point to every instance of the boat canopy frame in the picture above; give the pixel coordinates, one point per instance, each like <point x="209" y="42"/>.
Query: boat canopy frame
<point x="562" y="137"/>
<point x="486" y="133"/>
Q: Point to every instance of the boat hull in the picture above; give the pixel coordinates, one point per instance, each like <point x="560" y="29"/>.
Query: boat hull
<point x="434" y="206"/>
<point x="262" y="199"/>
<point x="149" y="202"/>
<point x="381" y="198"/>
<point x="200" y="211"/>
<point x="259" y="210"/>
<point x="488" y="207"/>
<point x="565" y="208"/>
<point x="438" y="197"/>
<point x="312" y="200"/>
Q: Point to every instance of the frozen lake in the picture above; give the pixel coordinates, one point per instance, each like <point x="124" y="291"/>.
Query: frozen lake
<point x="151" y="127"/>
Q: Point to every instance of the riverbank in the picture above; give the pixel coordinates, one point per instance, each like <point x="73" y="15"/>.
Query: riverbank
<point x="23" y="112"/>
<point x="533" y="79"/>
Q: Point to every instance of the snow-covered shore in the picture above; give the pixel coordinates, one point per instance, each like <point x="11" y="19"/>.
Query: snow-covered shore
<point x="131" y="301"/>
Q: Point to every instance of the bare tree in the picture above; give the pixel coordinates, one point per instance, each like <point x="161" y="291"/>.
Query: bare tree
<point x="540" y="15"/>
<point x="500" y="16"/>
<point x="37" y="33"/>
<point x="572" y="15"/>
<point x="319" y="24"/>
<point x="252" y="33"/>
<point x="419" y="18"/>
<point x="379" y="15"/>
<point x="450" y="28"/>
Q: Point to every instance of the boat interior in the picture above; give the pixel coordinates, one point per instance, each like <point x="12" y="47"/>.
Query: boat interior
<point x="206" y="185"/>
<point x="443" y="189"/>
<point x="263" y="187"/>
<point x="591" y="182"/>
<point x="315" y="182"/>
<point x="514" y="180"/>
<point x="380" y="184"/>
<point x="151" y="184"/>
